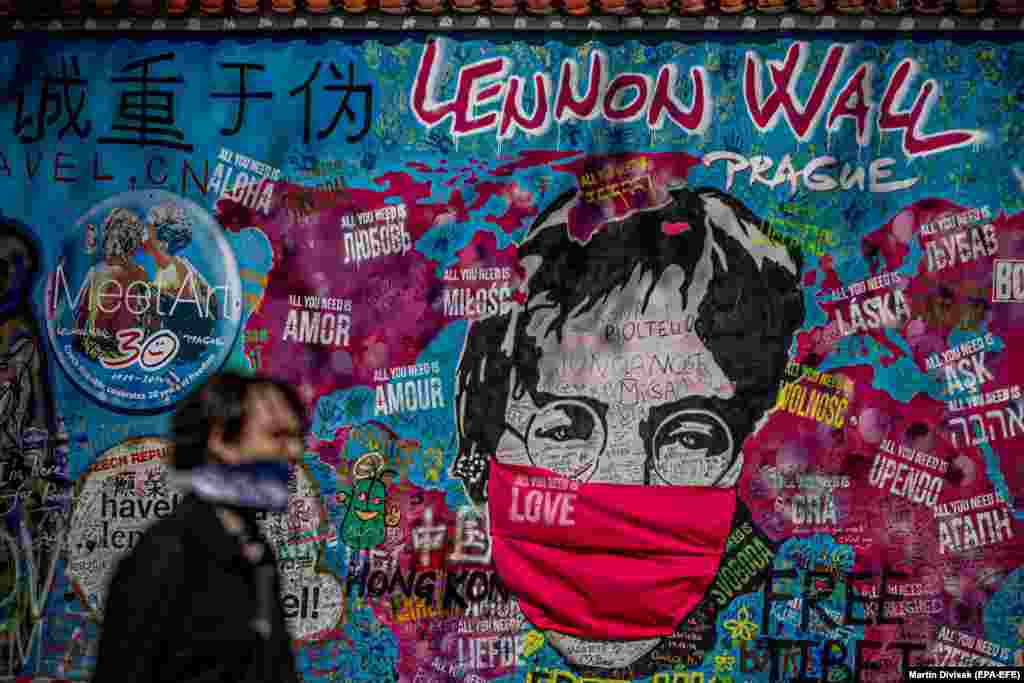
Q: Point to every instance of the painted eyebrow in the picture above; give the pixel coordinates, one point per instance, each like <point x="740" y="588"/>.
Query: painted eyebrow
<point x="702" y="427"/>
<point x="542" y="399"/>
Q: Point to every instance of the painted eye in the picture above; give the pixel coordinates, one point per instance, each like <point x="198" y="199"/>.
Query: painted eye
<point x="376" y="501"/>
<point x="562" y="433"/>
<point x="694" y="440"/>
<point x="565" y="421"/>
<point x="692" y="447"/>
<point x="567" y="437"/>
<point x="362" y="497"/>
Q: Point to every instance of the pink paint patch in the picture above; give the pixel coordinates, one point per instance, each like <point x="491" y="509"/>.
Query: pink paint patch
<point x="674" y="228"/>
<point x="631" y="176"/>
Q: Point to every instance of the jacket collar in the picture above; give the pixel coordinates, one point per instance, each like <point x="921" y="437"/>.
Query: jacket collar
<point x="224" y="547"/>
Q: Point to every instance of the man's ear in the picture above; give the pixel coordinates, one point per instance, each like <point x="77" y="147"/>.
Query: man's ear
<point x="219" y="449"/>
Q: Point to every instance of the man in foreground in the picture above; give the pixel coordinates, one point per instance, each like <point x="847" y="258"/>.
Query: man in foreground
<point x="198" y="598"/>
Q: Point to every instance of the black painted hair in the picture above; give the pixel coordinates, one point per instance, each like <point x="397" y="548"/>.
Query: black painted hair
<point x="752" y="307"/>
<point x="221" y="401"/>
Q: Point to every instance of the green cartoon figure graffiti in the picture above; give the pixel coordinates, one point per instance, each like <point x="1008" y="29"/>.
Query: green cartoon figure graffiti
<point x="366" y="512"/>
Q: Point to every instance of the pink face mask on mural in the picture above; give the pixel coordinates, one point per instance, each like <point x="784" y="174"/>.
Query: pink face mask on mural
<point x="605" y="561"/>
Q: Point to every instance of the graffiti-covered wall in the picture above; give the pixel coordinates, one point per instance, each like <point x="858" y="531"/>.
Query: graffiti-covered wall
<point x="661" y="357"/>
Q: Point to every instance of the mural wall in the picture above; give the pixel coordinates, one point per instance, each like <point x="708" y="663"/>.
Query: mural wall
<point x="661" y="358"/>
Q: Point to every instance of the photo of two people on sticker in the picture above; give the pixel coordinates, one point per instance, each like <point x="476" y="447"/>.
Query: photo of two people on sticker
<point x="642" y="357"/>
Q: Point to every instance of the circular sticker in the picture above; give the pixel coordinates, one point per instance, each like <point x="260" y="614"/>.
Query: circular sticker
<point x="145" y="300"/>
<point x="312" y="597"/>
<point x="124" y="491"/>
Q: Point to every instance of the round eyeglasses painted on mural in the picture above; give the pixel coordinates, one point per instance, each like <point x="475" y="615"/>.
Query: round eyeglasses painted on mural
<point x="144" y="301"/>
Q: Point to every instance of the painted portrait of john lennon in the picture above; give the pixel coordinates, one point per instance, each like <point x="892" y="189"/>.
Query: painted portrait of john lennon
<point x="602" y="420"/>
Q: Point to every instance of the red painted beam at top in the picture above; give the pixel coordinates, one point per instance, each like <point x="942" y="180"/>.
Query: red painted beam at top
<point x="45" y="9"/>
<point x="212" y="7"/>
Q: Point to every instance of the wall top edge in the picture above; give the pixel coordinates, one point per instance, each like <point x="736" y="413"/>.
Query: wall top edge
<point x="489" y="22"/>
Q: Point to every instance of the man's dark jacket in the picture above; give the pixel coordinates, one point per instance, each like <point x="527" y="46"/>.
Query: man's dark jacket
<point x="185" y="606"/>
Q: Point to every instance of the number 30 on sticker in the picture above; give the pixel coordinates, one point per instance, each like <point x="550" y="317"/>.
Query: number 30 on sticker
<point x="153" y="353"/>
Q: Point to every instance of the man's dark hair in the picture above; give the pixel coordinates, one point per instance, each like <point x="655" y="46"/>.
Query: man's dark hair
<point x="753" y="305"/>
<point x="221" y="401"/>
